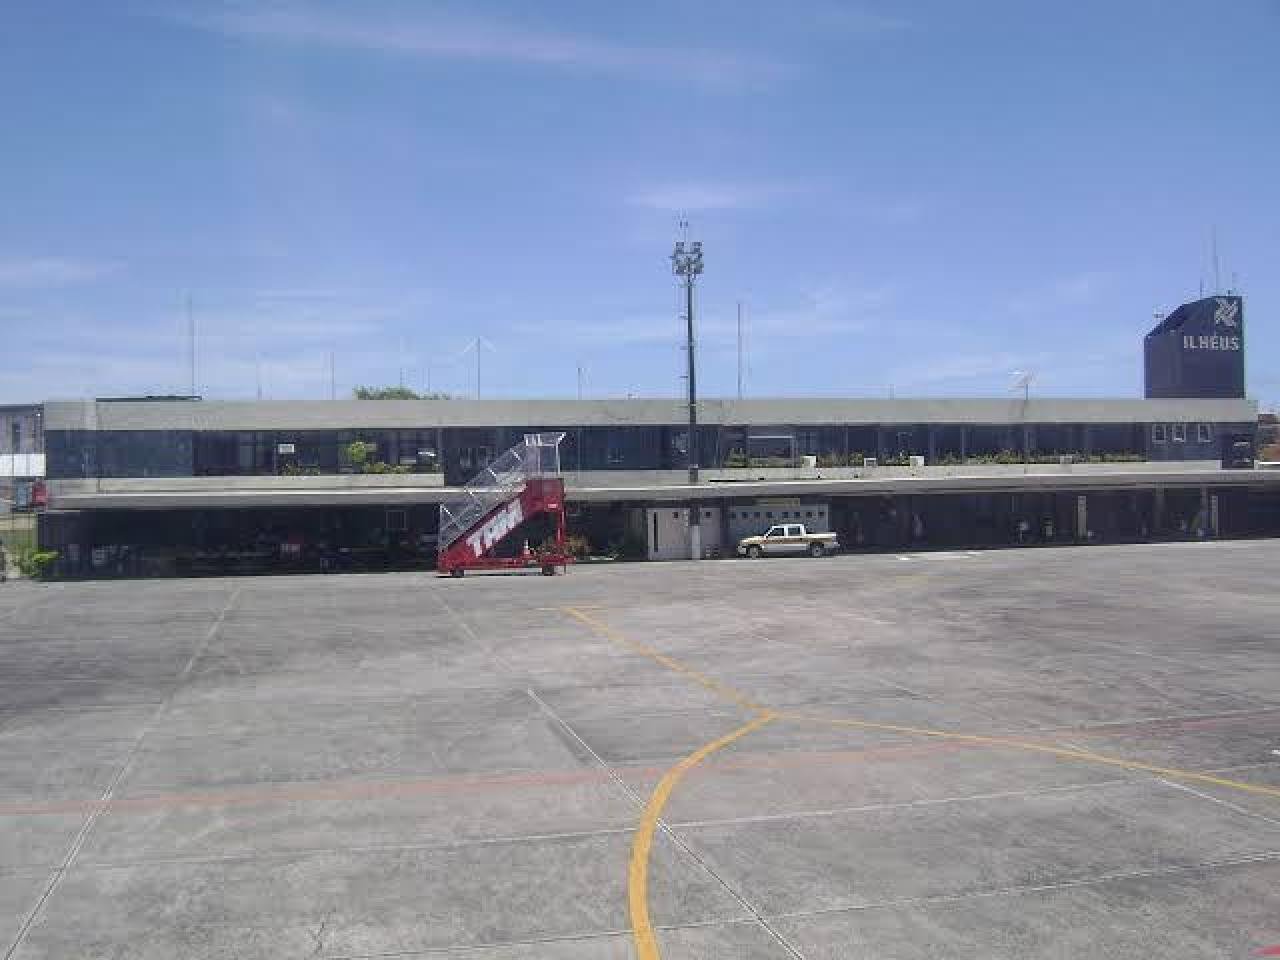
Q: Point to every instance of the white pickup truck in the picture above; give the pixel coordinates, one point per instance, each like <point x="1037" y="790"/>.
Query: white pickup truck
<point x="786" y="539"/>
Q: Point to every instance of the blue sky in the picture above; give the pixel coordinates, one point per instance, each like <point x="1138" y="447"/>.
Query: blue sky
<point x="921" y="197"/>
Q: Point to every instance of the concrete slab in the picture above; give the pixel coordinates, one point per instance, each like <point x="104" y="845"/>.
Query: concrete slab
<point x="20" y="891"/>
<point x="357" y="814"/>
<point x="370" y="902"/>
<point x="971" y="847"/>
<point x="1220" y="913"/>
<point x="404" y="764"/>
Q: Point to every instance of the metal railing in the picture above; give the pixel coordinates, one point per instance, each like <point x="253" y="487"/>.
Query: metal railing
<point x="537" y="456"/>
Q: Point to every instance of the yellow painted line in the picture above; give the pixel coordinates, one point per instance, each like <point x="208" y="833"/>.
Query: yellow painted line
<point x="1087" y="756"/>
<point x="715" y="686"/>
<point x="638" y="871"/>
<point x="642" y="845"/>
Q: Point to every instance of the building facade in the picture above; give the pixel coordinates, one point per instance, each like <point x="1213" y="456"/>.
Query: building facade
<point x="22" y="462"/>
<point x="1197" y="350"/>
<point x="457" y="438"/>
<point x="188" y="486"/>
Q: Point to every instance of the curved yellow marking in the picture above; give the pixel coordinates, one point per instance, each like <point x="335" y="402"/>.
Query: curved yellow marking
<point x="638" y="871"/>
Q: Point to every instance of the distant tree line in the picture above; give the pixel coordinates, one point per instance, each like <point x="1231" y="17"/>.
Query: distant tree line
<point x="395" y="393"/>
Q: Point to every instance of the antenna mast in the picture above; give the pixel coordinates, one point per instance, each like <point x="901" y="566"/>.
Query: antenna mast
<point x="739" y="349"/>
<point x="1217" y="279"/>
<point x="191" y="345"/>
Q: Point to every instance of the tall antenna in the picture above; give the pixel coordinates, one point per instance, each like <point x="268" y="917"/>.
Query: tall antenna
<point x="333" y="378"/>
<point x="579" y="381"/>
<point x="257" y="372"/>
<point x="1217" y="279"/>
<point x="1022" y="381"/>
<point x="478" y="345"/>
<point x="191" y="345"/>
<point x="739" y="349"/>
<point x="402" y="363"/>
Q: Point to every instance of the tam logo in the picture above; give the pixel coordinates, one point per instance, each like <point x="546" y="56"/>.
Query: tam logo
<point x="499" y="525"/>
<point x="1227" y="313"/>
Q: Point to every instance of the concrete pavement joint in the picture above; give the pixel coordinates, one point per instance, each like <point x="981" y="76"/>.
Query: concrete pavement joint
<point x="1269" y="856"/>
<point x="1234" y="807"/>
<point x="906" y="804"/>
<point x="303" y="853"/>
<point x="637" y="874"/>
<point x="126" y="764"/>
<point x="646" y="943"/>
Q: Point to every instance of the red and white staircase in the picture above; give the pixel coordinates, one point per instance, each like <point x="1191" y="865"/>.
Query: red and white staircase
<point x="517" y="487"/>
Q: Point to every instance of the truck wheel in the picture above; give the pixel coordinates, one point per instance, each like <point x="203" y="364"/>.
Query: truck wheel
<point x="754" y="552"/>
<point x="815" y="550"/>
<point x="456" y="572"/>
<point x="548" y="571"/>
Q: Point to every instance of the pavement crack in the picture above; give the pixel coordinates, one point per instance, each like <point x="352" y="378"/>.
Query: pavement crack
<point x="319" y="932"/>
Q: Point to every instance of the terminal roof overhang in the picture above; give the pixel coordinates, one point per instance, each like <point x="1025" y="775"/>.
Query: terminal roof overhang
<point x="1121" y="478"/>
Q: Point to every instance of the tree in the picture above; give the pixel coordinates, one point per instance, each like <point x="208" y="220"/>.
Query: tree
<point x="395" y="393"/>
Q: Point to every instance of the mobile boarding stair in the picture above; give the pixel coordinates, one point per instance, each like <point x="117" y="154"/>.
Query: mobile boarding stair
<point x="522" y="484"/>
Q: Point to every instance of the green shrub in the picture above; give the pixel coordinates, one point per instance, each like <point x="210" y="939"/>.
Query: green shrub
<point x="37" y="563"/>
<point x="357" y="453"/>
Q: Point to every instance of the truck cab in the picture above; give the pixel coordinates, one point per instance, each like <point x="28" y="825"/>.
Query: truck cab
<point x="783" y="539"/>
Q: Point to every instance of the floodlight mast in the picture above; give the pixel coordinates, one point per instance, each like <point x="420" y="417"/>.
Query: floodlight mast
<point x="686" y="263"/>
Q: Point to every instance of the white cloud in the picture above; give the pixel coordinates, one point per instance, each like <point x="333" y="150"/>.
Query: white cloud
<point x="36" y="272"/>
<point x="699" y="196"/>
<point x="994" y="369"/>
<point x="828" y="309"/>
<point x="1073" y="290"/>
<point x="859" y="20"/>
<point x="431" y="34"/>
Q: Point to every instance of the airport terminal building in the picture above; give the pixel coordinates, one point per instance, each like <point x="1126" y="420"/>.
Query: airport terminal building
<point x="175" y="485"/>
<point x="183" y="485"/>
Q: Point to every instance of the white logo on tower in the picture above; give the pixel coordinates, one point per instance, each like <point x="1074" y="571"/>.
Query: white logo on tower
<point x="1227" y="313"/>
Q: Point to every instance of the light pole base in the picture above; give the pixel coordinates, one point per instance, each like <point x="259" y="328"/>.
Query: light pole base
<point x="695" y="541"/>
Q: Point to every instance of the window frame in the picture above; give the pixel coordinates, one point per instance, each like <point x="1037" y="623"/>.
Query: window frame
<point x="1179" y="434"/>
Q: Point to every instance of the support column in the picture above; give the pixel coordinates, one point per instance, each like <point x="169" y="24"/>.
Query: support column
<point x="1082" y="517"/>
<point x="1157" y="513"/>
